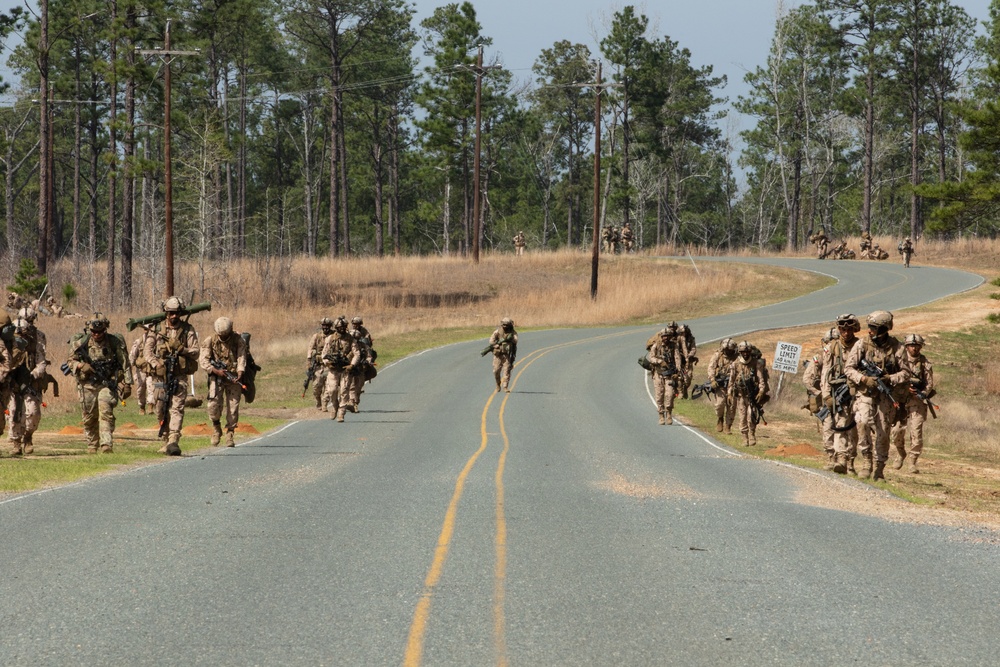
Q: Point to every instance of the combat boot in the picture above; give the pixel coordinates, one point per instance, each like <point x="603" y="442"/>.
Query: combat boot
<point x="340" y="414"/>
<point x="319" y="403"/>
<point x="92" y="448"/>
<point x="216" y="433"/>
<point x="28" y="447"/>
<point x="718" y="426"/>
<point x="753" y="439"/>
<point x="850" y="466"/>
<point x="729" y="429"/>
<point x="840" y="464"/>
<point x="831" y="461"/>
<point x="866" y="468"/>
<point x="498" y="386"/>
<point x="746" y="439"/>
<point x="230" y="441"/>
<point x="879" y="471"/>
<point x="15" y="448"/>
<point x="912" y="463"/>
<point x="900" y="457"/>
<point x="173" y="447"/>
<point x="107" y="449"/>
<point x="670" y="417"/>
<point x="663" y="420"/>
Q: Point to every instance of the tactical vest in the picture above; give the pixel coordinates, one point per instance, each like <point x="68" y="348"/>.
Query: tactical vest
<point x="225" y="350"/>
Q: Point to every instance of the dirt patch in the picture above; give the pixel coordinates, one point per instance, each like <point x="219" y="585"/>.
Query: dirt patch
<point x="197" y="429"/>
<point x="71" y="430"/>
<point x="247" y="428"/>
<point x="801" y="449"/>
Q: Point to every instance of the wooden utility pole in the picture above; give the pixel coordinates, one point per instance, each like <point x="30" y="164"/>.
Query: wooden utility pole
<point x="595" y="252"/>
<point x="168" y="217"/>
<point x="479" y="70"/>
<point x="44" y="221"/>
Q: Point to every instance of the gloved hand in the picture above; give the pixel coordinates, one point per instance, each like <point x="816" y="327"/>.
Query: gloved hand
<point x="124" y="391"/>
<point x="760" y="396"/>
<point x="84" y="370"/>
<point x="714" y="385"/>
<point x="182" y="364"/>
<point x="828" y="401"/>
<point x="871" y="383"/>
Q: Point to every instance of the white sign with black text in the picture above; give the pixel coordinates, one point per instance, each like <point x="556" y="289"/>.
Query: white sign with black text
<point x="786" y="357"/>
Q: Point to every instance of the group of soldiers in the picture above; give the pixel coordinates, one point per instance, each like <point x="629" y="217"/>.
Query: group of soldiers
<point x="160" y="365"/>
<point x="869" y="393"/>
<point x="869" y="249"/>
<point x="739" y="384"/>
<point x="616" y="239"/>
<point x="339" y="361"/>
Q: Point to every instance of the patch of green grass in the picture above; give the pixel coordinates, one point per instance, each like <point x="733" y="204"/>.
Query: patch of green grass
<point x="996" y="282"/>
<point x="995" y="295"/>
<point x="993" y="318"/>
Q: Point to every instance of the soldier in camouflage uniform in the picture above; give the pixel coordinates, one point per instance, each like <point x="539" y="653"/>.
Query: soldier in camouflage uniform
<point x="314" y="361"/>
<point x="224" y="348"/>
<point x="364" y="370"/>
<point x="719" y="372"/>
<point x="503" y="342"/>
<point x="746" y="376"/>
<point x="178" y="342"/>
<point x="688" y="351"/>
<point x="812" y="378"/>
<point x="340" y="355"/>
<point x="519" y="243"/>
<point x="628" y="238"/>
<point x="875" y="409"/>
<point x="822" y="244"/>
<point x="913" y="405"/>
<point x="905" y="249"/>
<point x="665" y="358"/>
<point x="31" y="378"/>
<point x="845" y="429"/>
<point x="17" y="383"/>
<point x="103" y="378"/>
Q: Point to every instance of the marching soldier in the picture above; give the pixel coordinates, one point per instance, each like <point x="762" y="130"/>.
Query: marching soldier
<point x="813" y="380"/>
<point x="665" y="358"/>
<point x="503" y="344"/>
<point x="315" y="369"/>
<point x="719" y="371"/>
<point x="175" y="347"/>
<point x="874" y="366"/>
<point x="747" y="387"/>
<point x="906" y="250"/>
<point x="688" y="350"/>
<point x="628" y="238"/>
<point x="16" y="370"/>
<point x="103" y="379"/>
<point x="821" y="242"/>
<point x="340" y="355"/>
<point x="224" y="358"/>
<point x="834" y="381"/>
<point x="364" y="370"/>
<point x="519" y="243"/>
<point x="914" y="405"/>
<point x="31" y="377"/>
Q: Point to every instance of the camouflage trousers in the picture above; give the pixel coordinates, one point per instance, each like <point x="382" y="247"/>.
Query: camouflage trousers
<point x="20" y="431"/>
<point x="338" y="391"/>
<point x="725" y="408"/>
<point x="222" y="393"/>
<point x="663" y="392"/>
<point x="98" y="406"/>
<point x="174" y="407"/>
<point x="845" y="442"/>
<point x="501" y="370"/>
<point x="141" y="388"/>
<point x="747" y="427"/>
<point x="873" y="414"/>
<point x="915" y="412"/>
<point x="319" y="384"/>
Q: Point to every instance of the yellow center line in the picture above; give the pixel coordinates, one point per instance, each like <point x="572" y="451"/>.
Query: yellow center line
<point x="415" y="640"/>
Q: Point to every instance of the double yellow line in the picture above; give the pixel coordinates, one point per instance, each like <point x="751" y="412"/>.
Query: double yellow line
<point x="418" y="627"/>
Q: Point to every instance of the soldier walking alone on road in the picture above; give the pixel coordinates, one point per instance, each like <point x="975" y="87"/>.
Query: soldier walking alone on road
<point x="224" y="358"/>
<point x="104" y="378"/>
<point x="874" y="366"/>
<point x="503" y="345"/>
<point x="914" y="404"/>
<point x="905" y="249"/>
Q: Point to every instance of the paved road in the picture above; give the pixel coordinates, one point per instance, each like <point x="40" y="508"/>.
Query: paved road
<point x="450" y="525"/>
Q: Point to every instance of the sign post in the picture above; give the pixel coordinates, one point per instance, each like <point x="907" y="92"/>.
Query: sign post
<point x="786" y="360"/>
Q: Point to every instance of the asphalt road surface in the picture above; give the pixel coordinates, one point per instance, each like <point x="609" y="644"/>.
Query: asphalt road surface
<point x="450" y="525"/>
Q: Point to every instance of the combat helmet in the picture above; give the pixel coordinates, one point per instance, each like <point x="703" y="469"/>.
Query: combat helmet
<point x="880" y="319"/>
<point x="728" y="344"/>
<point x="98" y="323"/>
<point x="27" y="313"/>
<point x="341" y="323"/>
<point x="744" y="346"/>
<point x="173" y="304"/>
<point x="914" y="339"/>
<point x="849" y="321"/>
<point x="832" y="334"/>
<point x="326" y="323"/>
<point x="357" y="321"/>
<point x="507" y="323"/>
<point x="223" y="326"/>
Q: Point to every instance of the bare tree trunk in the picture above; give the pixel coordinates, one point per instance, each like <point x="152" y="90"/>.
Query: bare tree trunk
<point x="128" y="185"/>
<point x="113" y="162"/>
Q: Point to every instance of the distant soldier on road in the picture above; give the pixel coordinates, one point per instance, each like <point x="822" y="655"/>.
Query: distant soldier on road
<point x="172" y="355"/>
<point x="688" y="351"/>
<point x="905" y="249"/>
<point x="503" y="345"/>
<point x="665" y="358"/>
<point x="315" y="369"/>
<point x="748" y="388"/>
<point x="364" y="370"/>
<point x="224" y="357"/>
<point x="914" y="404"/>
<point x="834" y="384"/>
<point x="812" y="378"/>
<point x="30" y="377"/>
<point x="340" y="355"/>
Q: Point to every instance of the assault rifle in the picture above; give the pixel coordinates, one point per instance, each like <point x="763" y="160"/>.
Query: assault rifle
<point x="226" y="373"/>
<point x="919" y="390"/>
<point x="313" y="365"/>
<point x="756" y="411"/>
<point x="509" y="338"/>
<point x="337" y="359"/>
<point x="170" y="384"/>
<point x="841" y="401"/>
<point x="668" y="371"/>
<point x="721" y="380"/>
<point x="156" y="318"/>
<point x="873" y="371"/>
<point x="105" y="371"/>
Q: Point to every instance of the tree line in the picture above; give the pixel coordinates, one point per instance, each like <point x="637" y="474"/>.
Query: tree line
<point x="313" y="127"/>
